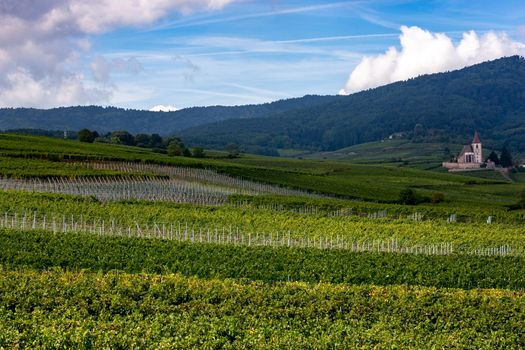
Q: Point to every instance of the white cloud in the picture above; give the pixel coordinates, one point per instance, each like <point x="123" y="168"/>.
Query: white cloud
<point x="424" y="52"/>
<point x="41" y="43"/>
<point x="22" y="89"/>
<point x="163" y="108"/>
<point x="98" y="16"/>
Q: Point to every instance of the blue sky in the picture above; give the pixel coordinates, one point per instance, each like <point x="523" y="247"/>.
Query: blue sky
<point x="259" y="51"/>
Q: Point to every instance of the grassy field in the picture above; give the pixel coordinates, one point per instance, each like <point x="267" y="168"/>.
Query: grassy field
<point x="395" y="152"/>
<point x="357" y="181"/>
<point x="109" y="288"/>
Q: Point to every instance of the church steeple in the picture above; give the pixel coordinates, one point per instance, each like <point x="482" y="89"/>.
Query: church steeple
<point x="476" y="138"/>
<point x="477" y="148"/>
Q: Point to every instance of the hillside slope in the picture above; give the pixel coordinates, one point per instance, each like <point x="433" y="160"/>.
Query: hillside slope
<point x="137" y="121"/>
<point x="444" y="107"/>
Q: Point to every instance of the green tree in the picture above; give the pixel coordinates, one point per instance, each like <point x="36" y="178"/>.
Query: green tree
<point x="86" y="135"/>
<point x="233" y="150"/>
<point x="122" y="138"/>
<point x="493" y="157"/>
<point x="408" y="197"/>
<point x="175" y="148"/>
<point x="505" y="158"/>
<point x="156" y="141"/>
<point x="198" y="152"/>
<point x="186" y="152"/>
<point x="143" y="140"/>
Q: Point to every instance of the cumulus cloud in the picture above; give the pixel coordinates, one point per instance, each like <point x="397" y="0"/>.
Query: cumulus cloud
<point x="163" y="108"/>
<point x="424" y="52"/>
<point x="41" y="43"/>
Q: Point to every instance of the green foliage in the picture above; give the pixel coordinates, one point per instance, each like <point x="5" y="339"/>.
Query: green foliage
<point x="493" y="157"/>
<point x="86" y="135"/>
<point x="198" y="152"/>
<point x="468" y="235"/>
<point x="175" y="148"/>
<point x="135" y="255"/>
<point x="521" y="199"/>
<point x="143" y="140"/>
<point x="374" y="183"/>
<point x="31" y="168"/>
<point x="61" y="309"/>
<point x="408" y="197"/>
<point x="74" y="290"/>
<point x="71" y="135"/>
<point x="437" y="197"/>
<point x="233" y="150"/>
<point x="122" y="138"/>
<point x="506" y="158"/>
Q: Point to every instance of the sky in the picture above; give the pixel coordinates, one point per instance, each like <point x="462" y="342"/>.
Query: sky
<point x="173" y="54"/>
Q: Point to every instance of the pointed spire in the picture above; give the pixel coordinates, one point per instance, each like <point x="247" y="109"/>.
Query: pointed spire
<point x="476" y="137"/>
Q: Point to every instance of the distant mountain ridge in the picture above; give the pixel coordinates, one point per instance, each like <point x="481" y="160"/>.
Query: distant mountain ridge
<point x="105" y="119"/>
<point x="440" y="108"/>
<point x="444" y="107"/>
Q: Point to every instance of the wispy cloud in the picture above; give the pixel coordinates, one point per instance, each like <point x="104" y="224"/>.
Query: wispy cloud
<point x="374" y="17"/>
<point x="259" y="91"/>
<point x="285" y="11"/>
<point x="337" y="38"/>
<point x="255" y="98"/>
<point x="207" y="46"/>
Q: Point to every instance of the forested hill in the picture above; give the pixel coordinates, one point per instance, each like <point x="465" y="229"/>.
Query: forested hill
<point x="489" y="97"/>
<point x="136" y="121"/>
<point x="444" y="107"/>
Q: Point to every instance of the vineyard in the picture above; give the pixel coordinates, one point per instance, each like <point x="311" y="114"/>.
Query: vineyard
<point x="189" y="232"/>
<point x="115" y="310"/>
<point x="118" y="247"/>
<point x="184" y="185"/>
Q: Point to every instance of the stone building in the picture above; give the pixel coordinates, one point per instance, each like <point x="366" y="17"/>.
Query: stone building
<point x="470" y="157"/>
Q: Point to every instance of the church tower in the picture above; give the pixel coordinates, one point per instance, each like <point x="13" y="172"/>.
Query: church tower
<point x="477" y="148"/>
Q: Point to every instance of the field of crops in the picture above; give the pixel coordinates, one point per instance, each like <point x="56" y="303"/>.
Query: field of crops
<point x="49" y="158"/>
<point x="58" y="309"/>
<point x="118" y="247"/>
<point x="249" y="220"/>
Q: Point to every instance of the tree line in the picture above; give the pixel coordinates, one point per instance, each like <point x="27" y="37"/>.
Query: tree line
<point x="171" y="145"/>
<point x="504" y="160"/>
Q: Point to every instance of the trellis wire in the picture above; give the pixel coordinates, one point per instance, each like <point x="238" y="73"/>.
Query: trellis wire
<point x="188" y="232"/>
<point x="202" y="175"/>
<point x="127" y="188"/>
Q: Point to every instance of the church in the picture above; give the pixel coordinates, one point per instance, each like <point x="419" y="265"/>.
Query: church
<point x="470" y="157"/>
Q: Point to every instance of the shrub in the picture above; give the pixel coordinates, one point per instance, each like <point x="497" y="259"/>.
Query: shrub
<point x="198" y="152"/>
<point x="408" y="197"/>
<point x="86" y="135"/>
<point x="437" y="197"/>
